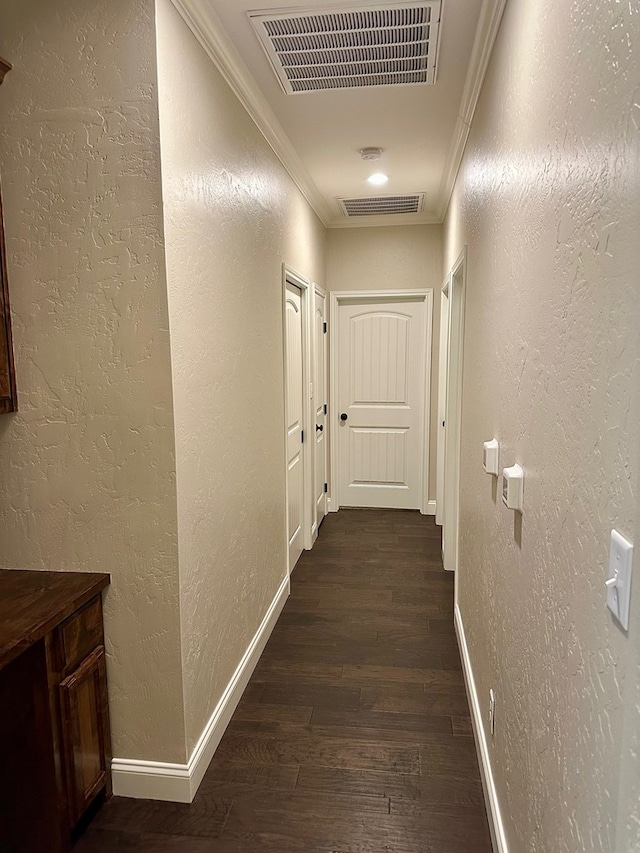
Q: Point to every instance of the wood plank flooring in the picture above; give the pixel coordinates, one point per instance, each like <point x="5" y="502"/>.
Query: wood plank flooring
<point x="353" y="735"/>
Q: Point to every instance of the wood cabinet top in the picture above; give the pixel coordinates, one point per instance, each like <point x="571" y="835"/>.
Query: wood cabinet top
<point x="33" y="602"/>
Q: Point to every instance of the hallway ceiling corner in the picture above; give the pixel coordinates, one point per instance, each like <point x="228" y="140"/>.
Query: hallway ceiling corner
<point x="318" y="135"/>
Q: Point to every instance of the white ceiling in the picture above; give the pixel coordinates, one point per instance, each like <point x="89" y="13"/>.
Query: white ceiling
<point x="318" y="135"/>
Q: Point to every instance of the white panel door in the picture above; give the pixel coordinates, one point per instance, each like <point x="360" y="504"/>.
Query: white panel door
<point x="381" y="359"/>
<point x="295" y="409"/>
<point x="320" y="408"/>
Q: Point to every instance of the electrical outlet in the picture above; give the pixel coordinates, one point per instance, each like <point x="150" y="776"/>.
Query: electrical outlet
<point x="492" y="711"/>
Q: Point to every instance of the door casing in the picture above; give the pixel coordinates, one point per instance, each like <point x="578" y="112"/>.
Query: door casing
<point x="456" y="289"/>
<point x="443" y="352"/>
<point x="320" y="397"/>
<point x="364" y="296"/>
<point x="290" y="275"/>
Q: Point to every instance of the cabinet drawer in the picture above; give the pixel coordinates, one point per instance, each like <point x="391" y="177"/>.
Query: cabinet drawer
<point x="79" y="635"/>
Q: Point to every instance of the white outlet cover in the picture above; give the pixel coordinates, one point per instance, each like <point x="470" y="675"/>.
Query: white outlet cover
<point x="619" y="593"/>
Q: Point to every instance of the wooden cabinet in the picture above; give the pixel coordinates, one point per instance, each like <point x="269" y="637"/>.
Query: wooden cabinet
<point x="85" y="733"/>
<point x="29" y="816"/>
<point x="8" y="396"/>
<point x="54" y="718"/>
<point x="83" y="709"/>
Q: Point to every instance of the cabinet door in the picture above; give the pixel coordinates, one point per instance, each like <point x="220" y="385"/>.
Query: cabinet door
<point x="29" y="818"/>
<point x="85" y="738"/>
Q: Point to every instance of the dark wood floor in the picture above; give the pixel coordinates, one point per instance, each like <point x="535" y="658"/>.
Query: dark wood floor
<point x="353" y="735"/>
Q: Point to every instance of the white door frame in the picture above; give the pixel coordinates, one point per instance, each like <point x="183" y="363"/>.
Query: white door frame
<point x="453" y="416"/>
<point x="289" y="275"/>
<point x="443" y="356"/>
<point x="319" y="291"/>
<point x="364" y="296"/>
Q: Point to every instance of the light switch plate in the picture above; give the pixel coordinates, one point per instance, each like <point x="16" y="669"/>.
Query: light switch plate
<point x="513" y="487"/>
<point x="619" y="593"/>
<point x="490" y="452"/>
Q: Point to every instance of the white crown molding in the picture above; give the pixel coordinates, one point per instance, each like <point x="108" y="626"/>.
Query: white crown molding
<point x="207" y="28"/>
<point x="488" y="25"/>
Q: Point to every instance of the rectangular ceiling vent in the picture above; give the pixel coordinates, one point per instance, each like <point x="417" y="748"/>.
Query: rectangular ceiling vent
<point x="382" y="204"/>
<point x="349" y="47"/>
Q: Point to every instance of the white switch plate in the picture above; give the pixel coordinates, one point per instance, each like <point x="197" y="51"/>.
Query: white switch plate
<point x="619" y="583"/>
<point x="490" y="451"/>
<point x="513" y="487"/>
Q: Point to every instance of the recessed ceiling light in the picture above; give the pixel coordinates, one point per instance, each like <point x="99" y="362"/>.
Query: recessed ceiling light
<point x="378" y="179"/>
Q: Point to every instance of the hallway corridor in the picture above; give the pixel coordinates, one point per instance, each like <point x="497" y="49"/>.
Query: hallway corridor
<point x="353" y="735"/>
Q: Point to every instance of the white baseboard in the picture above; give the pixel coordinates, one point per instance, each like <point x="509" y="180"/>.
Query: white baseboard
<point x="156" y="780"/>
<point x="332" y="506"/>
<point x="498" y="838"/>
<point x="151" y="780"/>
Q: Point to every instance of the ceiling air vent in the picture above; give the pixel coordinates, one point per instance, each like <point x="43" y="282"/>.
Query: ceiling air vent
<point x="382" y="204"/>
<point x="347" y="47"/>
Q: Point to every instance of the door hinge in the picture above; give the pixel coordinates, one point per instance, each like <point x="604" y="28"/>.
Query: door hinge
<point x="324" y="328"/>
<point x="325" y="408"/>
<point x="326" y="487"/>
<point x="302" y="436"/>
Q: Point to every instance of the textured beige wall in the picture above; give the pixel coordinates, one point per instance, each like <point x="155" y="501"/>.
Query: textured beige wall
<point x="232" y="216"/>
<point x="87" y="464"/>
<point x="393" y="258"/>
<point x="548" y="201"/>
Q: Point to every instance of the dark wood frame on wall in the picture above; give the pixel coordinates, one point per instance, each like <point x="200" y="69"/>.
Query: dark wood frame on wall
<point x="8" y="395"/>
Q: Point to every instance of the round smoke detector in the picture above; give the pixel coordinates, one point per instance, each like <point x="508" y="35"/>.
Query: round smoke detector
<point x="371" y="153"/>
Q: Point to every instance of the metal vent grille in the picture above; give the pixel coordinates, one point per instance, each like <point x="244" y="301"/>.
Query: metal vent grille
<point x="382" y="204"/>
<point x="348" y="48"/>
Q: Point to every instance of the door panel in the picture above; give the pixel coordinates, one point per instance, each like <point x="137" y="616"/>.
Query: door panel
<point x="381" y="389"/>
<point x="379" y="369"/>
<point x="379" y="456"/>
<point x="295" y="409"/>
<point x="320" y="399"/>
<point x="85" y="726"/>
